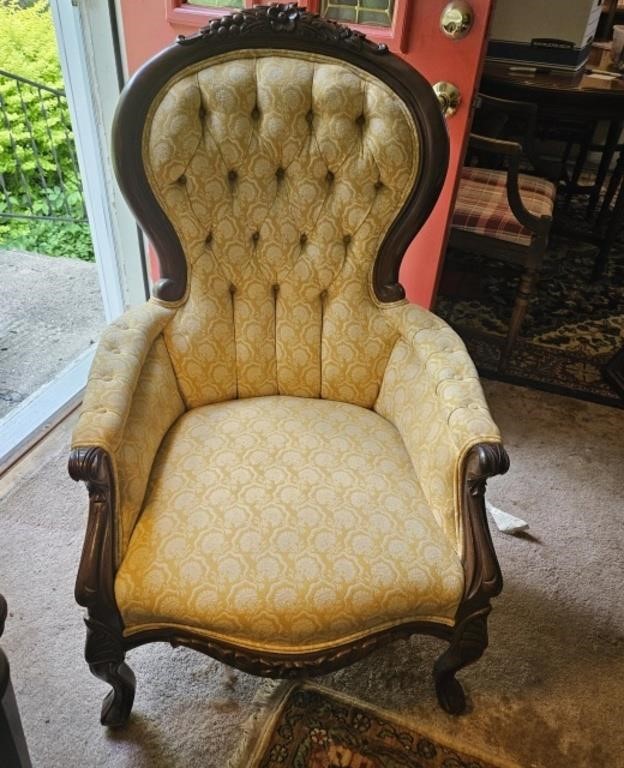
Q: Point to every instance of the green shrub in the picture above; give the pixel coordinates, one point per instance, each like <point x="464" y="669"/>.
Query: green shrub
<point x="37" y="153"/>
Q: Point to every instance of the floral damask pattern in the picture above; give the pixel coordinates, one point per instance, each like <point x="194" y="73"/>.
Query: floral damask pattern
<point x="285" y="522"/>
<point x="281" y="175"/>
<point x="431" y="391"/>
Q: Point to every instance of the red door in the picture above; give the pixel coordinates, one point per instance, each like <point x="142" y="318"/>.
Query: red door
<point x="410" y="28"/>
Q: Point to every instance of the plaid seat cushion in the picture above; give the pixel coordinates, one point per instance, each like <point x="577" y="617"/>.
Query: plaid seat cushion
<point x="482" y="206"/>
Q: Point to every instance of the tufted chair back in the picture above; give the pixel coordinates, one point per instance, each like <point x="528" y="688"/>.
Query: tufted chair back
<point x="281" y="176"/>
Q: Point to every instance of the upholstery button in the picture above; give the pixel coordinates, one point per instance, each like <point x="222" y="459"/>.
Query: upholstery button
<point x="360" y="120"/>
<point x="303" y="239"/>
<point x="323" y="295"/>
<point x="330" y="177"/>
<point x="276" y="289"/>
<point x="255" y="113"/>
<point x="232" y="176"/>
<point x="232" y="288"/>
<point x="202" y="112"/>
<point x="182" y="180"/>
<point x="346" y="239"/>
<point x="208" y="239"/>
<point x="309" y="116"/>
<point x="256" y="236"/>
<point x="280" y="173"/>
<point x="378" y="184"/>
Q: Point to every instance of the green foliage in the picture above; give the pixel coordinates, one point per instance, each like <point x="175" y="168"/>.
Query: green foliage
<point x="37" y="159"/>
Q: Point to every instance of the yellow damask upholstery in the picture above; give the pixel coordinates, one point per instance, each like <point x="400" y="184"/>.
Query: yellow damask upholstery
<point x="431" y="392"/>
<point x="281" y="175"/>
<point x="286" y="524"/>
<point x="277" y="448"/>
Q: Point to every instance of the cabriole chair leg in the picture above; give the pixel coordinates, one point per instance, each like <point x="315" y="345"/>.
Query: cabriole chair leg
<point x="105" y="656"/>
<point x="467" y="646"/>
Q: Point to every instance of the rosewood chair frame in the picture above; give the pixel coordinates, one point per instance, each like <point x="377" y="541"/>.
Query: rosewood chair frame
<point x="289" y="28"/>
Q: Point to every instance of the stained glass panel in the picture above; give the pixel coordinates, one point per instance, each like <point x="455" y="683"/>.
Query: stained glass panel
<point x="377" y="12"/>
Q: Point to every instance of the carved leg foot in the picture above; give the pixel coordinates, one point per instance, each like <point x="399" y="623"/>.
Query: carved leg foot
<point x="105" y="655"/>
<point x="467" y="645"/>
<point x="117" y="703"/>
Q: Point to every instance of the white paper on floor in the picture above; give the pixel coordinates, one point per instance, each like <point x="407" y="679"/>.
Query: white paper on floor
<point x="504" y="521"/>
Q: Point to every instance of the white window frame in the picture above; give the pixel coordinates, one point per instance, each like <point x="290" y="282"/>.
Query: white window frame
<point x="87" y="53"/>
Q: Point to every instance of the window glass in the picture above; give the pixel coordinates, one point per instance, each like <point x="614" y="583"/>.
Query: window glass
<point x="217" y="3"/>
<point x="377" y="12"/>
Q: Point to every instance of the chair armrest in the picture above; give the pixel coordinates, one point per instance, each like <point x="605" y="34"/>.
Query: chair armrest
<point x="432" y="394"/>
<point x="119" y="359"/>
<point x="539" y="225"/>
<point x="130" y="402"/>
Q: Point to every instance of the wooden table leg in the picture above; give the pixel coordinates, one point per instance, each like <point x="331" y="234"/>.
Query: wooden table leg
<point x="613" y="135"/>
<point x="615" y="220"/>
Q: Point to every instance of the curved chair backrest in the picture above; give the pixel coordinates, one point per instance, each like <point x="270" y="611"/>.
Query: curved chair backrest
<point x="280" y="164"/>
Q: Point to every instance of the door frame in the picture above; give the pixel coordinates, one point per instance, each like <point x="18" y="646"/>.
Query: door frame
<point x="86" y="35"/>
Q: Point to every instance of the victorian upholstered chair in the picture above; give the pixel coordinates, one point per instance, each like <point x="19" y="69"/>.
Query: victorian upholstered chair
<point x="286" y="461"/>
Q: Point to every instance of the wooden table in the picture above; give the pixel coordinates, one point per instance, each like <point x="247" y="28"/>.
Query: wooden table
<point x="578" y="97"/>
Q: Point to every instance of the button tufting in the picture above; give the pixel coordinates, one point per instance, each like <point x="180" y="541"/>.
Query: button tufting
<point x="232" y="176"/>
<point x="208" y="239"/>
<point x="360" y="120"/>
<point x="232" y="288"/>
<point x="330" y="177"/>
<point x="323" y="295"/>
<point x="255" y="113"/>
<point x="280" y="173"/>
<point x="202" y="112"/>
<point x="346" y="239"/>
<point x="378" y="184"/>
<point x="276" y="288"/>
<point x="309" y="116"/>
<point x="182" y="180"/>
<point x="303" y="238"/>
<point x="255" y="236"/>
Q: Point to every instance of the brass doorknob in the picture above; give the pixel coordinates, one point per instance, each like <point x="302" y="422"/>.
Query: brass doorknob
<point x="448" y="96"/>
<point x="456" y="19"/>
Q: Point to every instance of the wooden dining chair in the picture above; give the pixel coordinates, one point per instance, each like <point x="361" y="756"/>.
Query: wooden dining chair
<point x="503" y="213"/>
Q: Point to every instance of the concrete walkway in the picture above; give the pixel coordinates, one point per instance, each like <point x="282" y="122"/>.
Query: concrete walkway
<point x="51" y="310"/>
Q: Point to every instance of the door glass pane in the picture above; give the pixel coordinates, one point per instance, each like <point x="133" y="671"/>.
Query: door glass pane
<point x="376" y="12"/>
<point x="47" y="260"/>
<point x="217" y="3"/>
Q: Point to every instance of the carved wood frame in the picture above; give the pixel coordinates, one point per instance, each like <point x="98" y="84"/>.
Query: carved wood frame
<point x="180" y="12"/>
<point x="287" y="27"/>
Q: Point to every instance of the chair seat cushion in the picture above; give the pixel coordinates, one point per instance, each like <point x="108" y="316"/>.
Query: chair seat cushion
<point x="287" y="524"/>
<point x="482" y="206"/>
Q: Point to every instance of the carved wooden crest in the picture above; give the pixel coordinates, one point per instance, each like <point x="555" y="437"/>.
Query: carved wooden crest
<point x="283" y="18"/>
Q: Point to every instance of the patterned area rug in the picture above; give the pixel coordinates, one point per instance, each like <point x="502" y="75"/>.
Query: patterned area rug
<point x="573" y="328"/>
<point x="312" y="727"/>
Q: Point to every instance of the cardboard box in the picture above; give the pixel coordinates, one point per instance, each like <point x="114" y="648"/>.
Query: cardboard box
<point x="556" y="34"/>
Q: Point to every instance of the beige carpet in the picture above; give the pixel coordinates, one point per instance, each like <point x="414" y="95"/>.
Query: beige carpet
<point x="547" y="694"/>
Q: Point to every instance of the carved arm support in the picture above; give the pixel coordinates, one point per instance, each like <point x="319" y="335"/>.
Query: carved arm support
<point x="94" y="583"/>
<point x="432" y="394"/>
<point x="483" y="576"/>
<point x="130" y="402"/>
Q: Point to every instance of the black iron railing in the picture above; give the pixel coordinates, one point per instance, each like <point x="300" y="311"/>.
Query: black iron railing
<point x="39" y="176"/>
